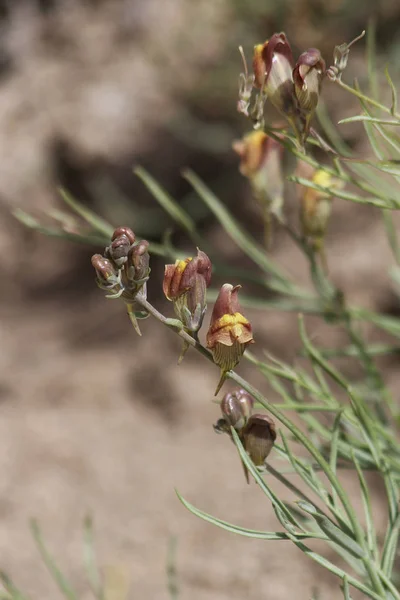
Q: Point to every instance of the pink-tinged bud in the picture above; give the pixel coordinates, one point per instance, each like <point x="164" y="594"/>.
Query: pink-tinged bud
<point x="258" y="438"/>
<point x="229" y="332"/>
<point x="273" y="66"/>
<point x="124" y="231"/>
<point x="236" y="408"/>
<point x="185" y="284"/>
<point x="106" y="274"/>
<point x="104" y="268"/>
<point x="139" y="259"/>
<point x="122" y="241"/>
<point x="307" y="77"/>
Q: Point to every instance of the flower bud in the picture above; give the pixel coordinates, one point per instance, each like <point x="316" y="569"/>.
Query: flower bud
<point x="307" y="77"/>
<point x="118" y="250"/>
<point x="185" y="284"/>
<point x="229" y="332"/>
<point x="246" y="402"/>
<point x="272" y="66"/>
<point x="106" y="273"/>
<point x="139" y="260"/>
<point x="259" y="436"/>
<point x="126" y="231"/>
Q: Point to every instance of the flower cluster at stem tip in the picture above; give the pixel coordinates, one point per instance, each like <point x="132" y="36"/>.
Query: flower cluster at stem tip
<point x="123" y="270"/>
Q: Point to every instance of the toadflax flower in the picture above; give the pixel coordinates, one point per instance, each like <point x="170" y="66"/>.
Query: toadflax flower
<point x="261" y="162"/>
<point x="229" y="332"/>
<point x="185" y="284"/>
<point x="307" y="77"/>
<point x="315" y="205"/>
<point x="292" y="88"/>
<point x="273" y="65"/>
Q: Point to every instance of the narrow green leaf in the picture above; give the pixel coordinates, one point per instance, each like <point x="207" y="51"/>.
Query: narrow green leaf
<point x="13" y="591"/>
<point x="393" y="108"/>
<point x="371" y="533"/>
<point x="332" y="531"/>
<point x="98" y="224"/>
<point x="242" y="239"/>
<point x="89" y="556"/>
<point x="390" y="546"/>
<point x="262" y="535"/>
<point x="32" y="223"/>
<point x="334" y="449"/>
<point x="262" y="483"/>
<point x="48" y="560"/>
<point x="332" y="568"/>
<point x="346" y="588"/>
<point x="368" y="119"/>
<point x="336" y="193"/>
<point x="318" y="358"/>
<point x="166" y="201"/>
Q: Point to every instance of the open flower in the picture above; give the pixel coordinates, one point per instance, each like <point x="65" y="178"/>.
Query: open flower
<point x="307" y="77"/>
<point x="229" y="332"/>
<point x="315" y="205"/>
<point x="185" y="284"/>
<point x="261" y="162"/>
<point x="273" y="66"/>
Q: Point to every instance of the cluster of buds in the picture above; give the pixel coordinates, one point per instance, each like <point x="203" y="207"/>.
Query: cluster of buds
<point x="315" y="205"/>
<point x="261" y="162"/>
<point x="293" y="88"/>
<point x="229" y="332"/>
<point x="257" y="432"/>
<point x="123" y="270"/>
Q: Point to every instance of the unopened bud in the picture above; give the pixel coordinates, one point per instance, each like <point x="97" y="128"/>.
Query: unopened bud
<point x="105" y="271"/>
<point x="236" y="408"/>
<point x="124" y="231"/>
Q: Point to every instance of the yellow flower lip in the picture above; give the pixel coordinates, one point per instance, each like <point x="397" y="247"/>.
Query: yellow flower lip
<point x="230" y="321"/>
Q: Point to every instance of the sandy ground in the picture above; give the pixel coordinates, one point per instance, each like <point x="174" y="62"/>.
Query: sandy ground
<point x="92" y="418"/>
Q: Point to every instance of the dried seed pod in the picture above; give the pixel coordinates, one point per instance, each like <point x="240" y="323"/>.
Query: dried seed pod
<point x="259" y="436"/>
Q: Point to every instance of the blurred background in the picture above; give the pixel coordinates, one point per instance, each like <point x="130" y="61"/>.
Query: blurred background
<point x="93" y="418"/>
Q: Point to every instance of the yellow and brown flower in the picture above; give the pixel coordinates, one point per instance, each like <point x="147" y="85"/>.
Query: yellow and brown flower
<point x="229" y="332"/>
<point x="185" y="284"/>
